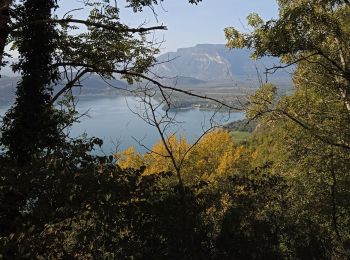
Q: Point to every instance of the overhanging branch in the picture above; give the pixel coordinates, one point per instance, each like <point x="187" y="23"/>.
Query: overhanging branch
<point x="70" y="85"/>
<point x="313" y="131"/>
<point x="115" y="28"/>
<point x="94" y="68"/>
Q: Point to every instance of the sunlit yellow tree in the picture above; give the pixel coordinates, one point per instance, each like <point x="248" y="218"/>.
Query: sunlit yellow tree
<point x="215" y="155"/>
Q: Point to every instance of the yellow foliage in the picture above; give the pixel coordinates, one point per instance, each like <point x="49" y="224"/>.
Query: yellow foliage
<point x="160" y="158"/>
<point x="215" y="155"/>
<point x="129" y="158"/>
<point x="209" y="153"/>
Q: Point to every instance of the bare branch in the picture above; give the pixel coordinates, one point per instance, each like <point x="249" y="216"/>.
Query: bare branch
<point x="129" y="72"/>
<point x="162" y="86"/>
<point x="273" y="69"/>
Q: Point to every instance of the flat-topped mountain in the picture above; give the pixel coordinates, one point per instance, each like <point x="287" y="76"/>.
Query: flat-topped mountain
<point x="215" y="63"/>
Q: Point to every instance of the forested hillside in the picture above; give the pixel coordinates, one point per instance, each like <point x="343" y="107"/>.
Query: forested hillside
<point x="282" y="193"/>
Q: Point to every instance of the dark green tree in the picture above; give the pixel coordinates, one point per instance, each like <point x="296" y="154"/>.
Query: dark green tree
<point x="32" y="124"/>
<point x="4" y="25"/>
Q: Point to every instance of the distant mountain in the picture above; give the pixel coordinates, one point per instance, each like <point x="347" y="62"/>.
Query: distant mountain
<point x="95" y="85"/>
<point x="215" y="63"/>
<point x="92" y="85"/>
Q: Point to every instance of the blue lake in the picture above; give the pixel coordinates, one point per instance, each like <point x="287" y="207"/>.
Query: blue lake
<point x="114" y="120"/>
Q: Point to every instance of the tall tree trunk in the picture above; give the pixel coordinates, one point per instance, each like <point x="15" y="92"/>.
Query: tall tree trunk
<point x="31" y="126"/>
<point x="4" y="25"/>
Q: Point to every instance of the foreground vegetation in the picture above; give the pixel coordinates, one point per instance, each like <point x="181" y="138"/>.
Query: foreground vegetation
<point x="237" y="202"/>
<point x="282" y="194"/>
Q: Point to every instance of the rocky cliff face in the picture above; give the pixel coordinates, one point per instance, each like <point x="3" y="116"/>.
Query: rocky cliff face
<point x="213" y="63"/>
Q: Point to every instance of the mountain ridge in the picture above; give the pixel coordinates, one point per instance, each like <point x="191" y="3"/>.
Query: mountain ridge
<point x="215" y="63"/>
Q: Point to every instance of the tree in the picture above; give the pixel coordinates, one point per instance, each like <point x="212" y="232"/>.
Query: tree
<point x="32" y="124"/>
<point x="314" y="36"/>
<point x="305" y="135"/>
<point x="214" y="156"/>
<point x="4" y="26"/>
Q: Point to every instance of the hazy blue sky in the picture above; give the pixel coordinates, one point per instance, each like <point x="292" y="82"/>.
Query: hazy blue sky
<point x="191" y="24"/>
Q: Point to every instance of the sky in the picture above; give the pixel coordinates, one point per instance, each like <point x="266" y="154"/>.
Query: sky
<point x="188" y="24"/>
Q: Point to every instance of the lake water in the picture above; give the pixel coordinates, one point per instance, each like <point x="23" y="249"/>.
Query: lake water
<point x="112" y="119"/>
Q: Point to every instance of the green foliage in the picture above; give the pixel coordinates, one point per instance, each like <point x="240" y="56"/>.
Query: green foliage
<point x="243" y="125"/>
<point x="262" y="101"/>
<point x="301" y="26"/>
<point x="317" y="178"/>
<point x="314" y="33"/>
<point x="240" y="136"/>
<point x="138" y="5"/>
<point x="305" y="135"/>
<point x="73" y="205"/>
